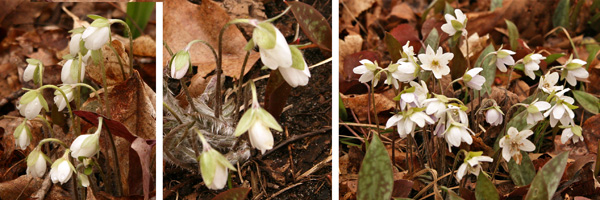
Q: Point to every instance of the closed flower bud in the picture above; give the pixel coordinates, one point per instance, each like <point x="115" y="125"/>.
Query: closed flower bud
<point x="36" y="163"/>
<point x="274" y="50"/>
<point x="61" y="171"/>
<point x="22" y="135"/>
<point x="59" y="100"/>
<point x="33" y="71"/>
<point x="298" y="74"/>
<point x="493" y="116"/>
<point x="213" y="166"/>
<point x="83" y="179"/>
<point x="95" y="37"/>
<point x="180" y="63"/>
<point x="74" y="44"/>
<point x="31" y="104"/>
<point x="87" y="145"/>
<point x="68" y="74"/>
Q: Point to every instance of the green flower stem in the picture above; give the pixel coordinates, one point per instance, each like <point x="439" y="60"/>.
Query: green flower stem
<point x="553" y="68"/>
<point x="205" y="144"/>
<point x="456" y="158"/>
<point x="84" y="85"/>
<point x="46" y="140"/>
<point x="168" y="48"/>
<point x="115" y="157"/>
<point x="74" y="179"/>
<point x="118" y="59"/>
<point x="280" y="15"/>
<point x="187" y="94"/>
<point x="172" y="112"/>
<point x="78" y="95"/>
<point x="466" y="40"/>
<point x="105" y="86"/>
<point x="47" y="124"/>
<point x="130" y="40"/>
<point x="373" y="103"/>
<point x="63" y="94"/>
<point x="240" y="93"/>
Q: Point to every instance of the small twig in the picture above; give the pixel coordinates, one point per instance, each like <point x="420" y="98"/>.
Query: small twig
<point x="284" y="189"/>
<point x="294" y="138"/>
<point x="315" y="168"/>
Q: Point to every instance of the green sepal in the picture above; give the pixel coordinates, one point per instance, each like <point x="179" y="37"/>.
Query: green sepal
<point x="91" y="140"/>
<point x="75" y="66"/>
<point x="466" y="78"/>
<point x="245" y="122"/>
<point x="38" y="74"/>
<point x="264" y="35"/>
<point x="297" y="58"/>
<point x="208" y="166"/>
<point x="527" y="58"/>
<point x="221" y="159"/>
<point x="33" y="157"/>
<point x="43" y="101"/>
<point x="407" y="90"/>
<point x="250" y="45"/>
<point x="82" y="48"/>
<point x="532" y="109"/>
<point x="97" y="56"/>
<point x="32" y="61"/>
<point x="57" y="162"/>
<point x="267" y="119"/>
<point x="100" y="23"/>
<point x="95" y="17"/>
<point x="19" y="130"/>
<point x="473" y="154"/>
<point x="456" y="25"/>
<point x="393" y="67"/>
<point x="571" y="106"/>
<point x="180" y="59"/>
<point x="68" y="57"/>
<point x="371" y="66"/>
<point x="88" y="170"/>
<point x="78" y="30"/>
<point x="502" y="54"/>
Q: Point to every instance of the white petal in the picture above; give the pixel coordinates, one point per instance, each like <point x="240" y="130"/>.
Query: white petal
<point x="447" y="28"/>
<point x="261" y="136"/>
<point x="279" y="56"/>
<point x="393" y="120"/>
<point x="74" y="44"/>
<point x="462" y="170"/>
<point x="295" y="77"/>
<point x="558" y="111"/>
<point x="542" y="105"/>
<point x="220" y="178"/>
<point x="29" y="72"/>
<point x="527" y="145"/>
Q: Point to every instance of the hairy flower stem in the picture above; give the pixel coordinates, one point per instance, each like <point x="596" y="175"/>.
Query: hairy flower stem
<point x="119" y="60"/>
<point x="115" y="159"/>
<point x="497" y="161"/>
<point x="373" y="103"/>
<point x="456" y="159"/>
<point x="188" y="96"/>
<point x="241" y="97"/>
<point x="74" y="182"/>
<point x="64" y="96"/>
<point x="130" y="34"/>
<point x="173" y="113"/>
<point x="110" y="137"/>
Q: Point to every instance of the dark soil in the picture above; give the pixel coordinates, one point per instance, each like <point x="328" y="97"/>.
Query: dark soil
<point x="311" y="111"/>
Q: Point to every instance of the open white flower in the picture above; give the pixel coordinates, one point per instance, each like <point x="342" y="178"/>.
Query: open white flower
<point x="436" y="62"/>
<point x="414" y="96"/>
<point x="180" y="64"/>
<point x="68" y="74"/>
<point x="514" y="142"/>
<point x="472" y="164"/>
<point x="95" y="37"/>
<point x="36" y="164"/>
<point x="22" y="135"/>
<point x="367" y="69"/>
<point x="298" y="74"/>
<point x="573" y="71"/>
<point x="534" y="111"/>
<point x="503" y="58"/>
<point x="455" y="24"/>
<point x="59" y="100"/>
<point x="31" y="103"/>
<point x="572" y="132"/>
<point x="561" y="111"/>
<point x="86" y="145"/>
<point x="548" y="83"/>
<point x="473" y="79"/>
<point x="493" y="116"/>
<point x="408" y="52"/>
<point x="405" y="70"/>
<point x="406" y="121"/>
<point x="436" y="106"/>
<point x="61" y="171"/>
<point x="532" y="63"/>
<point x="273" y="48"/>
<point x="457" y="133"/>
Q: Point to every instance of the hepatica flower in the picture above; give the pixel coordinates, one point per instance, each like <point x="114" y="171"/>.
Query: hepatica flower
<point x="455" y="24"/>
<point x="59" y="100"/>
<point x="36" y="163"/>
<point x="83" y="179"/>
<point x="68" y="74"/>
<point x="503" y="58"/>
<point x="534" y="111"/>
<point x="573" y="71"/>
<point x="298" y="74"/>
<point x="571" y="132"/>
<point x="436" y="62"/>
<point x="532" y="63"/>
<point x="548" y="83"/>
<point x="213" y="166"/>
<point x="61" y="170"/>
<point x="407" y="120"/>
<point x="87" y="145"/>
<point x="403" y="70"/>
<point x="76" y="42"/>
<point x="180" y="63"/>
<point x="33" y="71"/>
<point x="413" y="96"/>
<point x="457" y="133"/>
<point x="367" y="69"/>
<point x="31" y="103"/>
<point x="493" y="116"/>
<point x="514" y="142"/>
<point x="97" y="34"/>
<point x="562" y="110"/>
<point x="22" y="135"/>
<point x="274" y="50"/>
<point x="436" y="106"/>
<point x="472" y="78"/>
<point x="472" y="164"/>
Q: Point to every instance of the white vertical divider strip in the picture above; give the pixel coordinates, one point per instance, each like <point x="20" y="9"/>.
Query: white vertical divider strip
<point x="335" y="75"/>
<point x="159" y="100"/>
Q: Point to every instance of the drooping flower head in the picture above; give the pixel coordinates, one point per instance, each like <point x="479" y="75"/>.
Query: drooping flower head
<point x="59" y="100"/>
<point x="503" y="58"/>
<point x="572" y="132"/>
<point x="97" y="34"/>
<point x="36" y="163"/>
<point x="532" y="63"/>
<point x="368" y="71"/>
<point x="298" y="73"/>
<point x="493" y="116"/>
<point x="472" y="164"/>
<point x="22" y="135"/>
<point x="31" y="103"/>
<point x="274" y="50"/>
<point x="407" y="120"/>
<point x="62" y="170"/>
<point x="213" y="166"/>
<point x="472" y="78"/>
<point x="573" y="71"/>
<point x="34" y="71"/>
<point x="87" y="145"/>
<point x="455" y="24"/>
<point x="562" y="110"/>
<point x="180" y="64"/>
<point x="68" y="74"/>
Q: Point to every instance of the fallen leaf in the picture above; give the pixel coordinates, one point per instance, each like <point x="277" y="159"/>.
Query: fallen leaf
<point x="591" y="133"/>
<point x="185" y="21"/>
<point x="144" y="46"/>
<point x="11" y="189"/>
<point x="114" y="75"/>
<point x="360" y="105"/>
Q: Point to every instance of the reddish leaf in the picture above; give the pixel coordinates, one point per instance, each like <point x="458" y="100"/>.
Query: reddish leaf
<point x="144" y="152"/>
<point x="276" y="94"/>
<point x="233" y="194"/>
<point x="350" y="81"/>
<point x="314" y="25"/>
<point x="405" y="33"/>
<point x="115" y="127"/>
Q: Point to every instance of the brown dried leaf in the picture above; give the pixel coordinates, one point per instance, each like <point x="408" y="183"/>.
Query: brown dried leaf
<point x="185" y="21"/>
<point x="359" y="104"/>
<point x="591" y="133"/>
<point x="12" y="189"/>
<point x="114" y="74"/>
<point x="144" y="46"/>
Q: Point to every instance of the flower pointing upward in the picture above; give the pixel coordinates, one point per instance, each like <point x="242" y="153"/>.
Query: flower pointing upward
<point x="455" y="24"/>
<point x="436" y="62"/>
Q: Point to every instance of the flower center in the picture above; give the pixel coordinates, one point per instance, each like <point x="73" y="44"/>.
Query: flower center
<point x="435" y="63"/>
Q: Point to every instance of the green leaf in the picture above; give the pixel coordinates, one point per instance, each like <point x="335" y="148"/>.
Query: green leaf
<point x="433" y="39"/>
<point x="342" y="109"/>
<point x="244" y="123"/>
<point x="297" y="58"/>
<point x="313" y="24"/>
<point x="489" y="69"/>
<point x="592" y="47"/>
<point x="250" y="45"/>
<point x="495" y="4"/>
<point x="513" y="34"/>
<point x="264" y="35"/>
<point x="140" y="13"/>
<point x="587" y="101"/>
<point x="561" y="14"/>
<point x="551" y="58"/>
<point x="459" y="62"/>
<point x="393" y="46"/>
<point x="375" y="178"/>
<point x="521" y="174"/>
<point x="267" y="119"/>
<point x="485" y="188"/>
<point x="547" y="179"/>
<point x="451" y="194"/>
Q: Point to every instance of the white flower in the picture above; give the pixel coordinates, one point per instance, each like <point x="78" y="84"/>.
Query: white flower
<point x="367" y="69"/>
<point x="472" y="164"/>
<point x="561" y="111"/>
<point x="68" y="74"/>
<point x="29" y="72"/>
<point x="408" y="51"/>
<point x="457" y="133"/>
<point x="548" y="83"/>
<point x="31" y="103"/>
<point x="405" y="71"/>
<point x="95" y="37"/>
<point x="213" y="166"/>
<point x="86" y="145"/>
<point x="59" y="100"/>
<point x="406" y="121"/>
<point x="436" y="106"/>
<point x="74" y="44"/>
<point x="531" y="63"/>
<point x="61" y="171"/>
<point x="180" y="63"/>
<point x="514" y="142"/>
<point x="571" y="132"/>
<point x="85" y="181"/>
<point x="415" y="95"/>
<point x="436" y="62"/>
<point x="493" y="116"/>
<point x="534" y="109"/>
<point x="221" y="173"/>
<point x="272" y="56"/>
<point x="298" y="74"/>
<point x="455" y="24"/>
<point x="36" y="164"/>
<point x="260" y="136"/>
<point x="22" y="135"/>
<point x="503" y="57"/>
<point x="473" y="79"/>
<point x="573" y="71"/>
